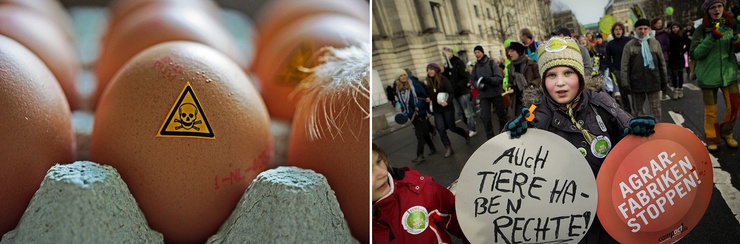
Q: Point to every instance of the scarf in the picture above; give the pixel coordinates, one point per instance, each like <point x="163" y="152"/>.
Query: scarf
<point x="518" y="77"/>
<point x="647" y="58"/>
<point x="404" y="95"/>
<point x="568" y="108"/>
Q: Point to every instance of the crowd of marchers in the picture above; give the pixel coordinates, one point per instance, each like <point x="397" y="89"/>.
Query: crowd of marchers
<point x="588" y="89"/>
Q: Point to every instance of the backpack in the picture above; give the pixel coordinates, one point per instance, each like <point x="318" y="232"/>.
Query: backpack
<point x="506" y="98"/>
<point x="532" y="50"/>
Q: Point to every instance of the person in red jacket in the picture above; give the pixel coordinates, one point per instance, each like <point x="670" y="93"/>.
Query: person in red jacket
<point x="409" y="207"/>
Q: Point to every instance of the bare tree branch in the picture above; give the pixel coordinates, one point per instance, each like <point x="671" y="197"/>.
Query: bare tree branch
<point x="503" y="20"/>
<point x="558" y="7"/>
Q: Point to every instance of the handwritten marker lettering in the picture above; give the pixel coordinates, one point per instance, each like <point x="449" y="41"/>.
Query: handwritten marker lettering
<point x="524" y="191"/>
<point x="518" y="157"/>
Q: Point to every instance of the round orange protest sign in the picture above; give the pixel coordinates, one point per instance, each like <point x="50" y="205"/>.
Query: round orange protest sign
<point x="654" y="189"/>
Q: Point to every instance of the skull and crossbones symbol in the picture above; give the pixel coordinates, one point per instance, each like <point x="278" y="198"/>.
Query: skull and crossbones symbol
<point x="188" y="117"/>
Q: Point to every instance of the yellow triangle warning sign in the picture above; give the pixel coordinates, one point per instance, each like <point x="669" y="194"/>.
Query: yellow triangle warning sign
<point x="186" y="118"/>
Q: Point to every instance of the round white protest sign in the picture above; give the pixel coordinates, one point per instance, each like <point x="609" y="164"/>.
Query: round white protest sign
<point x="537" y="188"/>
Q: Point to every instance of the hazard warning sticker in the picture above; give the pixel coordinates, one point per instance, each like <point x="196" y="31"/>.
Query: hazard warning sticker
<point x="186" y="118"/>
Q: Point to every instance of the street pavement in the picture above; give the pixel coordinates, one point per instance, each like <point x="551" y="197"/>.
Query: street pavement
<point x="720" y="223"/>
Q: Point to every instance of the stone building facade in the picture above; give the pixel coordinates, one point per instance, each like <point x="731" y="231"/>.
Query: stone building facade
<point x="620" y="9"/>
<point x="568" y="20"/>
<point x="411" y="33"/>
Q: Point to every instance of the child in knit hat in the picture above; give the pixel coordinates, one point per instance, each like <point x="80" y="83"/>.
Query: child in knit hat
<point x="583" y="117"/>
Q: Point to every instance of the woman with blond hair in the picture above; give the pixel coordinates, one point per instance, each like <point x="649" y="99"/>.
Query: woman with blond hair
<point x="411" y="96"/>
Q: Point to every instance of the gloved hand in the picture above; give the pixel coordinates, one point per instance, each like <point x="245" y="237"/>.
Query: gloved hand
<point x="718" y="32"/>
<point x="641" y="126"/>
<point x="735" y="40"/>
<point x="518" y="126"/>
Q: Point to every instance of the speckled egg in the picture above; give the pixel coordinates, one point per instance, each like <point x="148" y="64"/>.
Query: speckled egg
<point x="188" y="132"/>
<point x="119" y="10"/>
<point x="331" y="131"/>
<point x="45" y="39"/>
<point x="278" y="64"/>
<point x="52" y="9"/>
<point x="157" y="24"/>
<point x="37" y="129"/>
<point x="276" y="15"/>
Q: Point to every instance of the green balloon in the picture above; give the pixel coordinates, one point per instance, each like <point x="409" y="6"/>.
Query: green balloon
<point x="507" y="42"/>
<point x="669" y="11"/>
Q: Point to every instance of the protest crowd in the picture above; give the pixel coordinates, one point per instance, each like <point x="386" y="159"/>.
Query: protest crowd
<point x="594" y="88"/>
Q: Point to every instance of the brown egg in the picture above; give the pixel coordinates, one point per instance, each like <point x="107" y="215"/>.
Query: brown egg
<point x="51" y="9"/>
<point x="157" y="24"/>
<point x="331" y="132"/>
<point x="188" y="132"/>
<point x="37" y="129"/>
<point x="119" y="9"/>
<point x="277" y="64"/>
<point x="122" y="9"/>
<point x="47" y="41"/>
<point x="277" y="14"/>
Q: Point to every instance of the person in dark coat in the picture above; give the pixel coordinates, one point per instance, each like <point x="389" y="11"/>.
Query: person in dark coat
<point x="391" y="94"/>
<point x="659" y="33"/>
<point x="487" y="77"/>
<point x="644" y="70"/>
<point x="679" y="46"/>
<point x="460" y="78"/>
<point x="565" y="101"/>
<point x="441" y="95"/>
<point x="415" y="80"/>
<point x="613" y="61"/>
<point x="523" y="74"/>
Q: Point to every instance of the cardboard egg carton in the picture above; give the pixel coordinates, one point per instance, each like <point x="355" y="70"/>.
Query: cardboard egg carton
<point x="85" y="202"/>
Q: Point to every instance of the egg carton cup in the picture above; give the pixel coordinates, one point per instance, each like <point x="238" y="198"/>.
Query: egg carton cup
<point x="286" y="205"/>
<point x="85" y="202"/>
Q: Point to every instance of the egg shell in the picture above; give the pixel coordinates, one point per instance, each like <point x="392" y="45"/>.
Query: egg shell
<point x="42" y="36"/>
<point x="119" y="10"/>
<point x="186" y="187"/>
<point x="51" y="9"/>
<point x="37" y="128"/>
<point x="155" y="25"/>
<point x="277" y="14"/>
<point x="331" y="135"/>
<point x="277" y="65"/>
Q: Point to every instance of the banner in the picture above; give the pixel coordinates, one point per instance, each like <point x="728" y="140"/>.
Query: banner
<point x="636" y="13"/>
<point x="655" y="189"/>
<point x="538" y="188"/>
